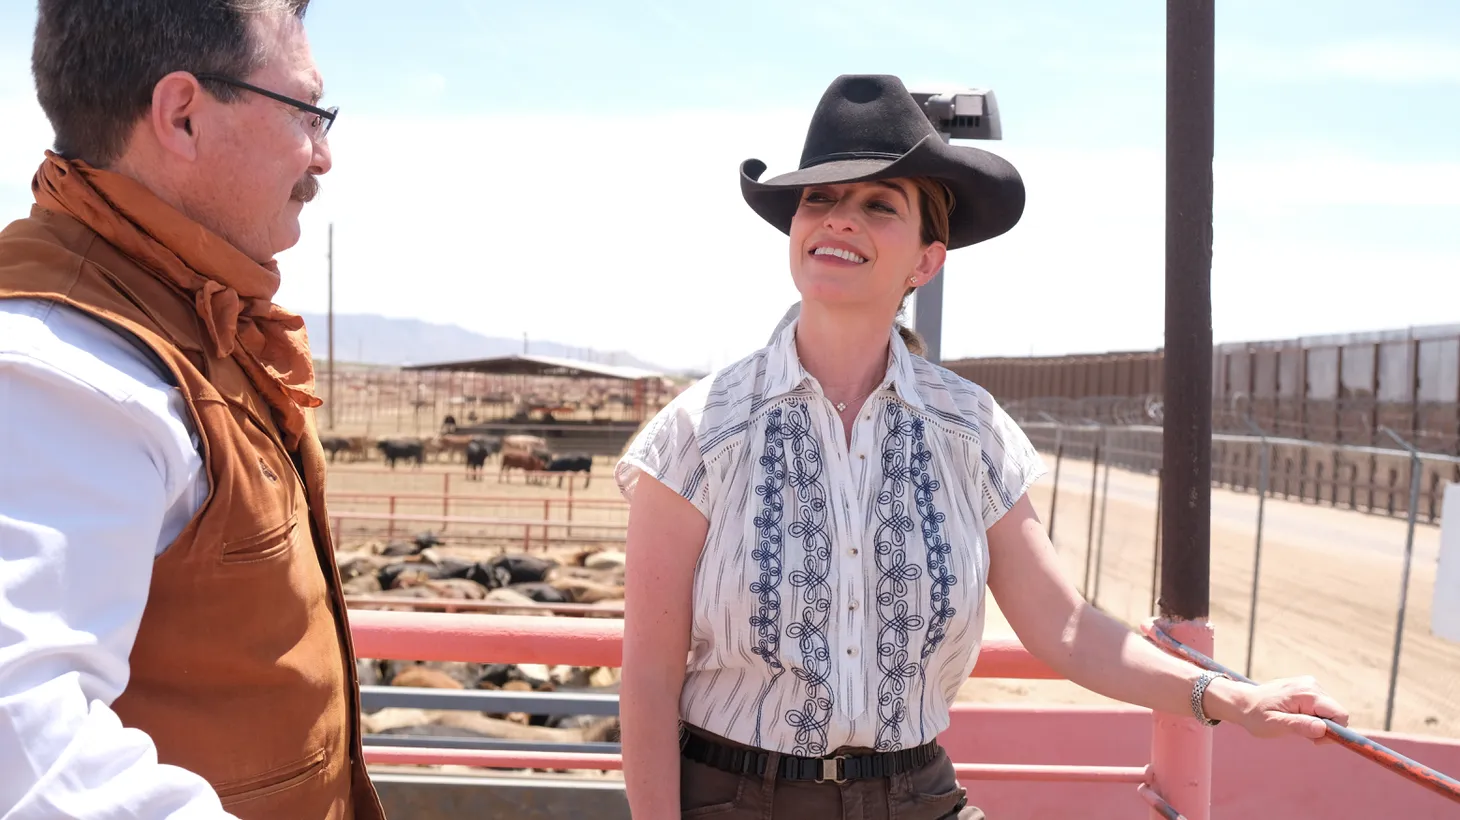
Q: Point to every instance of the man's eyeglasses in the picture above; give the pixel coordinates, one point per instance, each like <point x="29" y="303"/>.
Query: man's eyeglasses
<point x="323" y="117"/>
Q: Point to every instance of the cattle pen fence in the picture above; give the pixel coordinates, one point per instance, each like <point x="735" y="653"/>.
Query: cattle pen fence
<point x="1298" y="527"/>
<point x="1110" y="761"/>
<point x="471" y="513"/>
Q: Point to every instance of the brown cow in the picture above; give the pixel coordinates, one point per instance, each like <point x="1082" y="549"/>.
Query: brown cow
<point x="528" y="464"/>
<point x="424" y="677"/>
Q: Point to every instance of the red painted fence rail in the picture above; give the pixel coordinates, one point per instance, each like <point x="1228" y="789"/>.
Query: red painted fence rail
<point x="439" y="636"/>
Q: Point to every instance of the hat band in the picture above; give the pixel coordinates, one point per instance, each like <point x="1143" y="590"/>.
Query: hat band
<point x="825" y="158"/>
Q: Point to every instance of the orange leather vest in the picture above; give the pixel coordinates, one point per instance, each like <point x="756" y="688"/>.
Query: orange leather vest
<point x="243" y="670"/>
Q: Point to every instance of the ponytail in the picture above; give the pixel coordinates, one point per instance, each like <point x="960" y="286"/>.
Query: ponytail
<point x="914" y="342"/>
<point x="910" y="337"/>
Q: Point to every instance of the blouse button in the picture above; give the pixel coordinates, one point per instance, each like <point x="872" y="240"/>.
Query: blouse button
<point x="852" y="551"/>
<point x="852" y="652"/>
<point x="853" y="604"/>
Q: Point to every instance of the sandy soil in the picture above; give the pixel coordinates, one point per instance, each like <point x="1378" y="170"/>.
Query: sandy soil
<point x="1327" y="607"/>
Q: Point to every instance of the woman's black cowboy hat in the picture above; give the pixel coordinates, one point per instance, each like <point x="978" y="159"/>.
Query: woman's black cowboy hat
<point x="868" y="127"/>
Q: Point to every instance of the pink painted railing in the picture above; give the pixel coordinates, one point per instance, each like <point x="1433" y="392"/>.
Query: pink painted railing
<point x="430" y="636"/>
<point x="473" y="638"/>
<point x="1261" y="776"/>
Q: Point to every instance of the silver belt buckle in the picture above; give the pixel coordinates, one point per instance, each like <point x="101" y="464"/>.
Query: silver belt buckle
<point x="831" y="770"/>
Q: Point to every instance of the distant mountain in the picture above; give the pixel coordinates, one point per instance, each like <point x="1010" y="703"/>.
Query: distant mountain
<point x="372" y="339"/>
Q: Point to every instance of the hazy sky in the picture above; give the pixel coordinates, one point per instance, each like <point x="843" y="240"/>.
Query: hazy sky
<point x="568" y="169"/>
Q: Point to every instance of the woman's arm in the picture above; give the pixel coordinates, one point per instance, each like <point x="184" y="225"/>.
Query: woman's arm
<point x="1103" y="655"/>
<point x="665" y="537"/>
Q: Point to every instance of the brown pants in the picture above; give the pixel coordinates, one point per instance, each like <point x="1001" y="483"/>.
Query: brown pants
<point x="929" y="793"/>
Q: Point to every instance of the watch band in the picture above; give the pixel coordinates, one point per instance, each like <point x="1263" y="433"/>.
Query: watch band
<point x="1197" y="691"/>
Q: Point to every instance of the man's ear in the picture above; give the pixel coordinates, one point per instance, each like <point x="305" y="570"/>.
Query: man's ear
<point x="173" y="119"/>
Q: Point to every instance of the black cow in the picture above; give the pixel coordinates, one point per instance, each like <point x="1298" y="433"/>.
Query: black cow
<point x="543" y="593"/>
<point x="506" y="570"/>
<point x="334" y="444"/>
<point x="422" y="541"/>
<point x="404" y="450"/>
<point x="497" y="674"/>
<point x="478" y="450"/>
<point x="445" y="568"/>
<point x="575" y="463"/>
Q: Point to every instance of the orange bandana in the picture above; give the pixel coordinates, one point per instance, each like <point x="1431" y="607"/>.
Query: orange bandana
<point x="232" y="294"/>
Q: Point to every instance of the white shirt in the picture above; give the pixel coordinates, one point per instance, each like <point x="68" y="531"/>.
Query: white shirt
<point x="839" y="597"/>
<point x="99" y="472"/>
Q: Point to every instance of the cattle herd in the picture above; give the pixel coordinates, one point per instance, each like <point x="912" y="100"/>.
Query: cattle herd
<point x="427" y="568"/>
<point x="530" y="454"/>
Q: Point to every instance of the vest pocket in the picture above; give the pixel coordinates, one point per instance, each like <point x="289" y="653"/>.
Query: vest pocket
<point x="271" y="782"/>
<point x="270" y="543"/>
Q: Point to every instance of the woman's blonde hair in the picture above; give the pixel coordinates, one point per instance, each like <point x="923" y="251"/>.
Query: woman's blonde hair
<point x="935" y="205"/>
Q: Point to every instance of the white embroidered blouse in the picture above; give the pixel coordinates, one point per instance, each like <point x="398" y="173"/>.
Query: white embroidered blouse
<point x="839" y="598"/>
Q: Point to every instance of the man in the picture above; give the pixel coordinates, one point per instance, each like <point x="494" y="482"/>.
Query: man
<point x="173" y="639"/>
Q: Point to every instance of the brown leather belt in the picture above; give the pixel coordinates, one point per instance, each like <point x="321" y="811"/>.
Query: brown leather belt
<point x="836" y="769"/>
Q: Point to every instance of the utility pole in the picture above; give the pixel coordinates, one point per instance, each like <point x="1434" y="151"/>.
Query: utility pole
<point x="330" y="387"/>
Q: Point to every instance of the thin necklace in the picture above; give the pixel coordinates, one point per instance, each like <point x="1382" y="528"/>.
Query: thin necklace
<point x="841" y="406"/>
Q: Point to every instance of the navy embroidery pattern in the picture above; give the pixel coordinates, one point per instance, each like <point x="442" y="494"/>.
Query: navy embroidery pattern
<point x="940" y="575"/>
<point x="895" y="618"/>
<point x="765" y="624"/>
<point x="806" y="478"/>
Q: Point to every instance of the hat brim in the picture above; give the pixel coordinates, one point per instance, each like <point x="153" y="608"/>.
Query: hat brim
<point x="988" y="192"/>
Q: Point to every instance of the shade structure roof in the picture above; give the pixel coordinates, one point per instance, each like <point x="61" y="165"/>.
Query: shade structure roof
<point x="529" y="365"/>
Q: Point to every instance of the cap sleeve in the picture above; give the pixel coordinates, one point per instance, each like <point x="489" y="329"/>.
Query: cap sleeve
<point x="1009" y="464"/>
<point x="668" y="450"/>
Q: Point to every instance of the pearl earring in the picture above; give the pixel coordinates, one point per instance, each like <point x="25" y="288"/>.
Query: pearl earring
<point x="912" y="280"/>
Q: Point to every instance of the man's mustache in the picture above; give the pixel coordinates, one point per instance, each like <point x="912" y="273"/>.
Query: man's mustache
<point x="305" y="189"/>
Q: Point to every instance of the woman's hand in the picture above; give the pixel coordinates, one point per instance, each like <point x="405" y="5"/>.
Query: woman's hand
<point x="1294" y="706"/>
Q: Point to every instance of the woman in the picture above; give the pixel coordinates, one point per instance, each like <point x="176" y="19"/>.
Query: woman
<point x="814" y="526"/>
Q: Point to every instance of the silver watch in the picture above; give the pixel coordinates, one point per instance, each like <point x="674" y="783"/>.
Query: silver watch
<point x="1197" y="691"/>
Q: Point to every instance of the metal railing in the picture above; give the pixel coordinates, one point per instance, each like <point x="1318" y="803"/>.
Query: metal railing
<point x="579" y="642"/>
<point x="590" y="642"/>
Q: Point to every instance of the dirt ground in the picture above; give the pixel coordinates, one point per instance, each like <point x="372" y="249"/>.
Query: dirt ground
<point x="1327" y="606"/>
<point x="1329" y="584"/>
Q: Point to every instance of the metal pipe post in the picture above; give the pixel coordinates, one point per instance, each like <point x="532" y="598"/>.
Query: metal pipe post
<point x="1090" y="520"/>
<point x="1054" y="489"/>
<point x="1187" y="425"/>
<point x="1181" y="747"/>
<point x="1100" y="544"/>
<point x="1156" y="544"/>
<point x="1262" y="486"/>
<point x="330" y="331"/>
<point x="1414" y="478"/>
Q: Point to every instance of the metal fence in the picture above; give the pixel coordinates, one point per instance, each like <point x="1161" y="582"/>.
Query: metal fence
<point x="382" y="400"/>
<point x="1304" y="580"/>
<point x="1382" y="478"/>
<point x="1339" y="389"/>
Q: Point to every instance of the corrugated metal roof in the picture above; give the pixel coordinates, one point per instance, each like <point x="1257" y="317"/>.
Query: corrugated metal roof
<point x="529" y="365"/>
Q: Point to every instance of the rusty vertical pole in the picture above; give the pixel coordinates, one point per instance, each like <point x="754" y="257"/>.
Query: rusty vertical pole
<point x="1182" y="748"/>
<point x="330" y="330"/>
<point x="1187" y="436"/>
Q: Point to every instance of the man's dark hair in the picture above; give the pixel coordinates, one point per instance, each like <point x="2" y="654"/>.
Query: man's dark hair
<point x="97" y="61"/>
